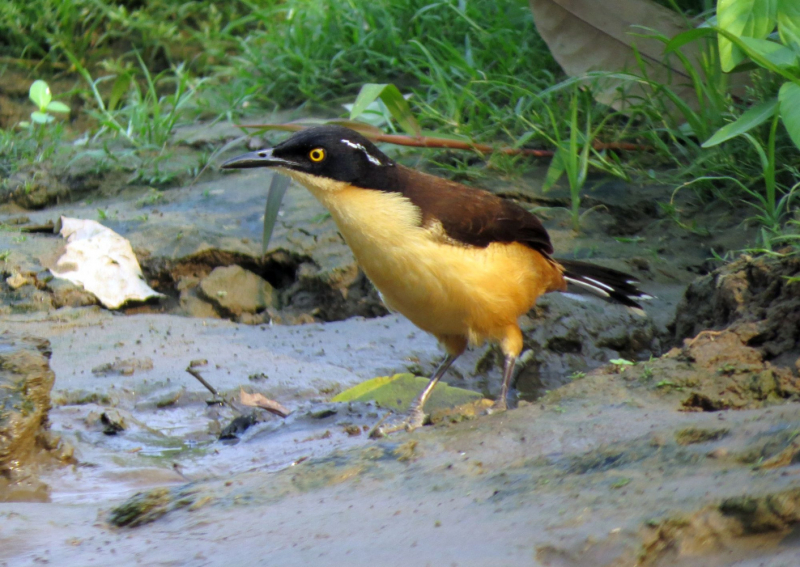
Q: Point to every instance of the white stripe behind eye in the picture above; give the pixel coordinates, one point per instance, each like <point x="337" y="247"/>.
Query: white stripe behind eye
<point x="355" y="146"/>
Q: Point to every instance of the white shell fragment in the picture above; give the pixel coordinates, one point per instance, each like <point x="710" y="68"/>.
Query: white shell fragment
<point x="101" y="261"/>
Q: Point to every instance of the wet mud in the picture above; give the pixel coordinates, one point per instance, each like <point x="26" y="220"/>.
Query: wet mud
<point x="670" y="439"/>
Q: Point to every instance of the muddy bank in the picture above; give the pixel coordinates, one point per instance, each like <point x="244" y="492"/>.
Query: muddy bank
<point x="681" y="452"/>
<point x="601" y="482"/>
<point x="618" y="467"/>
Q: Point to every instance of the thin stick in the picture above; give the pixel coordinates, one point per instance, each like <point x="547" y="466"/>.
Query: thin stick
<point x="202" y="380"/>
<point x="447" y="143"/>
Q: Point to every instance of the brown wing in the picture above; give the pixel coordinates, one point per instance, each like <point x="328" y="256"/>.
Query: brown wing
<point x="469" y="215"/>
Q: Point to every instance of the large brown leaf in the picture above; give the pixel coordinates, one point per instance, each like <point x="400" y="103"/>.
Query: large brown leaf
<point x="591" y="35"/>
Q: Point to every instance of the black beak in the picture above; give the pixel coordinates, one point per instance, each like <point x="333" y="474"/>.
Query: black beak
<point x="260" y="158"/>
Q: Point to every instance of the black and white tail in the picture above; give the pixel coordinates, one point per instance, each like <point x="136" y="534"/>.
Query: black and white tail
<point x="612" y="285"/>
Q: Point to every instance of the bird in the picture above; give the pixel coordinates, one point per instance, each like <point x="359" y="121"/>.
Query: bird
<point x="461" y="263"/>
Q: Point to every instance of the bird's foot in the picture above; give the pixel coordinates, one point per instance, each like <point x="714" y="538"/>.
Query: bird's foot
<point x="498" y="406"/>
<point x="410" y="421"/>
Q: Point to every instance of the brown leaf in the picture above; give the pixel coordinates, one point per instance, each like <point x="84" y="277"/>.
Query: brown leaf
<point x="259" y="401"/>
<point x="587" y="35"/>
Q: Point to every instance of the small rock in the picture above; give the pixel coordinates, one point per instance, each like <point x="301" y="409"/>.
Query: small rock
<point x="352" y="430"/>
<point x="720" y="453"/>
<point x="125" y="367"/>
<point x="170" y="398"/>
<point x="67" y="294"/>
<point x="18" y="280"/>
<point x="237" y="290"/>
<point x="238" y="426"/>
<point x="113" y="422"/>
<point x="193" y="306"/>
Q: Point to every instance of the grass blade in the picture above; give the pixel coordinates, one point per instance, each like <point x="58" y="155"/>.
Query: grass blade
<point x="277" y="189"/>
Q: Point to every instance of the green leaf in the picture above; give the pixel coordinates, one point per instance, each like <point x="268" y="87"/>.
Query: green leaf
<point x="753" y="117"/>
<point x="368" y="94"/>
<point x="743" y="18"/>
<point x="556" y="169"/>
<point x="40" y="94"/>
<point x="398" y="391"/>
<point x="780" y="56"/>
<point x="789" y="95"/>
<point x="394" y="101"/>
<point x="56" y="106"/>
<point x="687" y="37"/>
<point x="789" y="75"/>
<point x="41" y="117"/>
<point x="119" y="90"/>
<point x="789" y="23"/>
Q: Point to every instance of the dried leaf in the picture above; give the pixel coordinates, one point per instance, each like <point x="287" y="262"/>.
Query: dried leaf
<point x="259" y="401"/>
<point x="586" y="35"/>
<point x="101" y="261"/>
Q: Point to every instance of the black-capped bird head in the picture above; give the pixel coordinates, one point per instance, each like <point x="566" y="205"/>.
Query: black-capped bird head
<point x="322" y="154"/>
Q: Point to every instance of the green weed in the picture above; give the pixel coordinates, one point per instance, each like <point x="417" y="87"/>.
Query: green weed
<point x="153" y="197"/>
<point x="575" y="153"/>
<point x="622" y="482"/>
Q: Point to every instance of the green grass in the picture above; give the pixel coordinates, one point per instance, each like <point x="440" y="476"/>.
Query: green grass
<point x="165" y="31"/>
<point x="466" y="63"/>
<point x="470" y="66"/>
<point x="476" y="68"/>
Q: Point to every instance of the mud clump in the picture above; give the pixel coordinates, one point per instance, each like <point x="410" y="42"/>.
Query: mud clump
<point x="755" y="297"/>
<point x="745" y="524"/>
<point x="33" y="189"/>
<point x="123" y="367"/>
<point x="717" y="371"/>
<point x="25" y="442"/>
<point x="745" y="352"/>
<point x="693" y="435"/>
<point x="145" y="507"/>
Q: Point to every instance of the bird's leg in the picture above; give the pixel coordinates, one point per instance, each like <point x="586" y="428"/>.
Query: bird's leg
<point x="416" y="415"/>
<point x="511" y="346"/>
<point x="500" y="403"/>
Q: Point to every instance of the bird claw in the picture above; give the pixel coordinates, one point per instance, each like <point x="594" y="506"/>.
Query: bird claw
<point x="412" y="420"/>
<point x="499" y="406"/>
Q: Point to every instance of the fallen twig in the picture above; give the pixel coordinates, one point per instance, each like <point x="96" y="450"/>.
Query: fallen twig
<point x="202" y="380"/>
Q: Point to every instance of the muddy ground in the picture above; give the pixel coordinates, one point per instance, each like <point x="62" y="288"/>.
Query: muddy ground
<point x="687" y="457"/>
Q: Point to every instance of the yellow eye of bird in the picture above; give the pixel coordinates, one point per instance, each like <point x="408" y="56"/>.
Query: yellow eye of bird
<point x="317" y="154"/>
